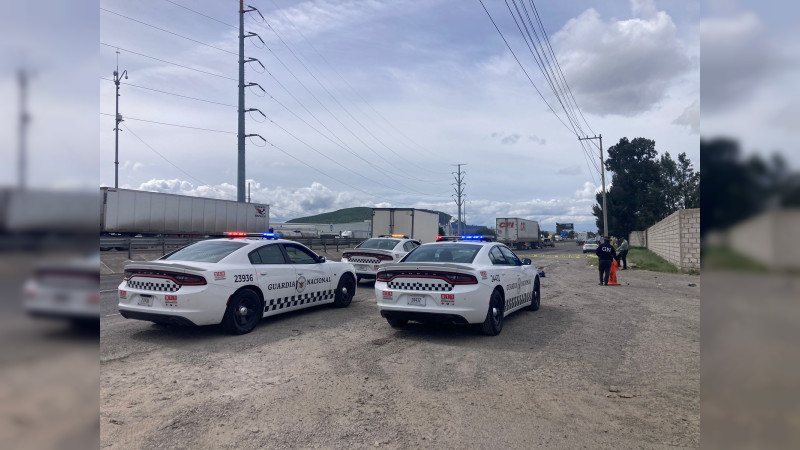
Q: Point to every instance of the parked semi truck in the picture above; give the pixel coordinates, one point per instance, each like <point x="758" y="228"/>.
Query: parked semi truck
<point x="419" y="224"/>
<point x="42" y="211"/>
<point x="129" y="212"/>
<point x="518" y="233"/>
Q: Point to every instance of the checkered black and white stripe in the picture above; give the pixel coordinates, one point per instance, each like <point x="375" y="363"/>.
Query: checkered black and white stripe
<point x="513" y="302"/>
<point x="159" y="286"/>
<point x="296" y="300"/>
<point x="417" y="286"/>
<point x="360" y="260"/>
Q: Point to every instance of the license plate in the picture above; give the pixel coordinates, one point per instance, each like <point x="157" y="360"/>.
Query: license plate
<point x="145" y="301"/>
<point x="363" y="267"/>
<point x="416" y="301"/>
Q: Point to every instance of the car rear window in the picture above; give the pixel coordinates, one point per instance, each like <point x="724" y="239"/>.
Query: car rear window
<point x="209" y="251"/>
<point x="444" y="253"/>
<point x="379" y="244"/>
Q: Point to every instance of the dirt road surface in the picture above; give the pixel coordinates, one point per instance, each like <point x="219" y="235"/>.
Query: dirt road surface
<point x="595" y="367"/>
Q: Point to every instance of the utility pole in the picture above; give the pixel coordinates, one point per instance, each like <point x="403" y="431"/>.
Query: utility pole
<point x="24" y="120"/>
<point x="603" y="176"/>
<point x="117" y="119"/>
<point x="240" y="179"/>
<point x="458" y="186"/>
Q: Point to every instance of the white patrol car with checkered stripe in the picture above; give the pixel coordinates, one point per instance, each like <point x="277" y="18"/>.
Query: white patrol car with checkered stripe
<point x="234" y="282"/>
<point x="465" y="282"/>
<point x="369" y="256"/>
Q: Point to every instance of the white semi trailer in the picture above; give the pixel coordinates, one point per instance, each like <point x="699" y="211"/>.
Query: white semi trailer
<point x="518" y="233"/>
<point x="127" y="211"/>
<point x="419" y="224"/>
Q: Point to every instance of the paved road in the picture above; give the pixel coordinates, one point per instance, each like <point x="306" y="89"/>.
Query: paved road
<point x="595" y="367"/>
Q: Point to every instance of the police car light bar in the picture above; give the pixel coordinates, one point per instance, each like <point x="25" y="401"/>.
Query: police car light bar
<point x="245" y="234"/>
<point x="472" y="237"/>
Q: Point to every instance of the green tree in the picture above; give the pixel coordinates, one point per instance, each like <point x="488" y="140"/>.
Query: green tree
<point x="636" y="199"/>
<point x="485" y="231"/>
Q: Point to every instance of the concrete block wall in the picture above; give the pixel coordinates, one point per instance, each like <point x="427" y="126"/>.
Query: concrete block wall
<point x="664" y="239"/>
<point x="637" y="239"/>
<point x="690" y="239"/>
<point x="676" y="239"/>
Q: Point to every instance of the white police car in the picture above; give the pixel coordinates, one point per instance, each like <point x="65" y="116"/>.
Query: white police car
<point x="369" y="256"/>
<point x="234" y="282"/>
<point x="465" y="282"/>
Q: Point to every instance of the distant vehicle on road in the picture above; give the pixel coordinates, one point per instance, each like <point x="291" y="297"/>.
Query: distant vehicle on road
<point x="234" y="282"/>
<point x="68" y="290"/>
<point x="547" y="242"/>
<point x="590" y="246"/>
<point x="458" y="282"/>
<point x="369" y="256"/>
<point x="419" y="224"/>
<point x="518" y="233"/>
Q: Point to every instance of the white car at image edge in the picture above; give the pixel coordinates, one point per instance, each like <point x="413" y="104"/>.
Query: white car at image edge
<point x="369" y="256"/>
<point x="457" y="282"/>
<point x="233" y="282"/>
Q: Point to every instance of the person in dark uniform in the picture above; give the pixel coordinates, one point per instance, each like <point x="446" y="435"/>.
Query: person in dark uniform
<point x="606" y="254"/>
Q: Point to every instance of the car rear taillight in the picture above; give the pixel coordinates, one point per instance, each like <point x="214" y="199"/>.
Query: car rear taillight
<point x="347" y="255"/>
<point x="383" y="276"/>
<point x="385" y="258"/>
<point x="189" y="280"/>
<point x="450" y="277"/>
<point x="458" y="278"/>
<point x="179" y="278"/>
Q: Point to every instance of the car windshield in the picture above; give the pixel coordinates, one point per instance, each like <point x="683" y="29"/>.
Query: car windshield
<point x="452" y="253"/>
<point x="379" y="244"/>
<point x="208" y="251"/>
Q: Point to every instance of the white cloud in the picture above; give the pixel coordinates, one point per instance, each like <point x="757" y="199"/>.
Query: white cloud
<point x="588" y="191"/>
<point x="622" y="67"/>
<point x="690" y="117"/>
<point x="571" y="170"/>
<point x="736" y="57"/>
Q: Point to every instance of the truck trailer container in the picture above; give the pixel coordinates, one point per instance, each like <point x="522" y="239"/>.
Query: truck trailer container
<point x="419" y="224"/>
<point x="518" y="233"/>
<point x="127" y="211"/>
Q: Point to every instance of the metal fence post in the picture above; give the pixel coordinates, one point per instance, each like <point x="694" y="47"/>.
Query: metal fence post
<point x="129" y="247"/>
<point x="163" y="247"/>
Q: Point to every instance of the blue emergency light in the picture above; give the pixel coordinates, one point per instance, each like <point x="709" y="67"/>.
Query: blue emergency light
<point x="271" y="235"/>
<point x="473" y="237"/>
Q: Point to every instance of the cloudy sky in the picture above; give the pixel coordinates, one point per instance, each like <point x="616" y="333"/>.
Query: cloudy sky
<point x="372" y="102"/>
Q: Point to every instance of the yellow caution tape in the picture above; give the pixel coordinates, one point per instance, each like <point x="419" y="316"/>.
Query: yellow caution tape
<point x="559" y="256"/>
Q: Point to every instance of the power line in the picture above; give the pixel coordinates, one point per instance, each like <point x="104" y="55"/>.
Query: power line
<point x="173" y="93"/>
<point x="172" y="124"/>
<point x="204" y="15"/>
<point x="167" y="62"/>
<point x="164" y="157"/>
<point x="167" y="31"/>
<point x="333" y="97"/>
<point x="523" y="67"/>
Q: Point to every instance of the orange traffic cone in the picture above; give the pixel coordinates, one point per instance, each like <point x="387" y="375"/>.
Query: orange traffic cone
<point x="612" y="278"/>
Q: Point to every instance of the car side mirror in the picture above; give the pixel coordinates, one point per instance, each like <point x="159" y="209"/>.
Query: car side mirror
<point x="322" y="259"/>
<point x="526" y="261"/>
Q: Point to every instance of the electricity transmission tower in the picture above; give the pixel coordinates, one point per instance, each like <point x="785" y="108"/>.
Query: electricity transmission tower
<point x="458" y="186"/>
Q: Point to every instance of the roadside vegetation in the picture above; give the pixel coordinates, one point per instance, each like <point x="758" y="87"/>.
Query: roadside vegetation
<point x="641" y="258"/>
<point x="722" y="258"/>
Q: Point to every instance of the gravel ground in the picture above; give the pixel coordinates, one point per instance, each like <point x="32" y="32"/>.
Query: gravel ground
<point x="595" y="367"/>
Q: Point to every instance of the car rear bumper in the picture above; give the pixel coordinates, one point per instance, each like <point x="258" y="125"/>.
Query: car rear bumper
<point x="156" y="317"/>
<point x="425" y="317"/>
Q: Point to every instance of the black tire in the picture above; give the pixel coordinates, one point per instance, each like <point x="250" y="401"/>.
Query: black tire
<point x="344" y="291"/>
<point x="536" y="300"/>
<point x="397" y="323"/>
<point x="244" y="311"/>
<point x="493" y="324"/>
